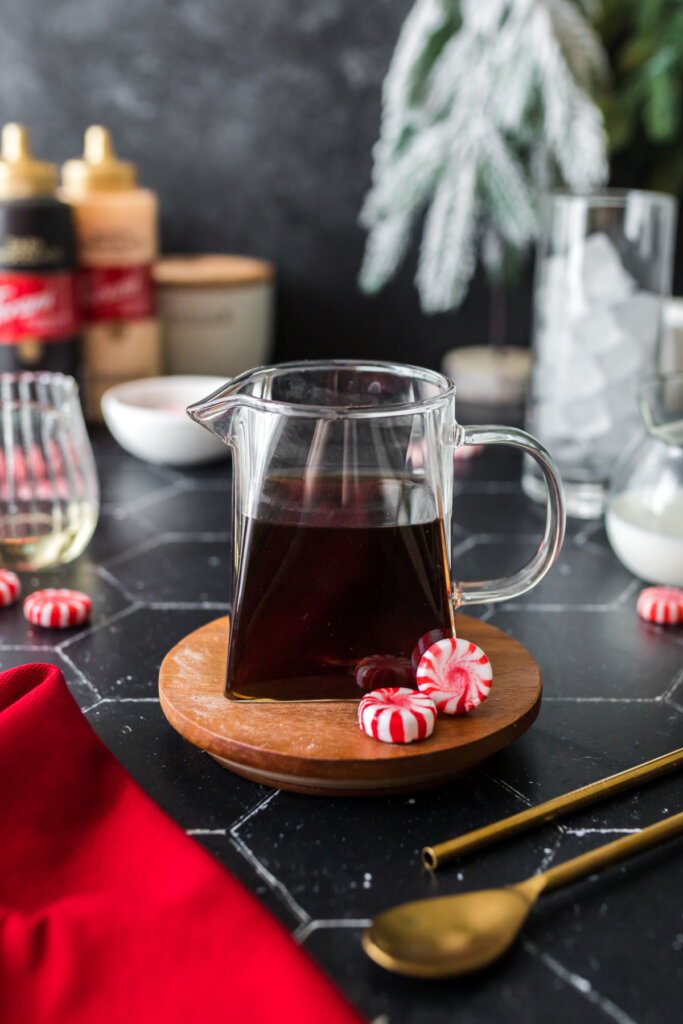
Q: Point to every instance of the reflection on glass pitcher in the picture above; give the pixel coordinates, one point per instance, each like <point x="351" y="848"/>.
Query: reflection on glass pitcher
<point x="49" y="496"/>
<point x="343" y="484"/>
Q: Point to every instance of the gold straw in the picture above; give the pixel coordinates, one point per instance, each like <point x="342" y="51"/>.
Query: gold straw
<point x="434" y="856"/>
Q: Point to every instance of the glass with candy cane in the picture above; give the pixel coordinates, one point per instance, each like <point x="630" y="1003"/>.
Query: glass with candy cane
<point x="49" y="494"/>
<point x="343" y="486"/>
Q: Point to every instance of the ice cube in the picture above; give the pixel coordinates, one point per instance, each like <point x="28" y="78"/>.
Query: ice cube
<point x="598" y="332"/>
<point x="567" y="372"/>
<point x="559" y="294"/>
<point x="622" y="401"/>
<point x="587" y="418"/>
<point x="549" y="420"/>
<point x="640" y="317"/>
<point x="604" y="278"/>
<point x="623" y="363"/>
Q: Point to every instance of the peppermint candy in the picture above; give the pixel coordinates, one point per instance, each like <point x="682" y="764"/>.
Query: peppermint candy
<point x="379" y="670"/>
<point x="57" y="609"/>
<point x="467" y="452"/>
<point x="455" y="674"/>
<point x="663" y="605"/>
<point x="426" y="641"/>
<point x="396" y="714"/>
<point x="10" y="587"/>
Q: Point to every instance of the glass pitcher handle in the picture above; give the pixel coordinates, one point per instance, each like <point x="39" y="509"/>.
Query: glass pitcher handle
<point x="485" y="591"/>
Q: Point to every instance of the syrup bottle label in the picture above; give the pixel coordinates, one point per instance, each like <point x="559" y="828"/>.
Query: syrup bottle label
<point x="115" y="293"/>
<point x="40" y="306"/>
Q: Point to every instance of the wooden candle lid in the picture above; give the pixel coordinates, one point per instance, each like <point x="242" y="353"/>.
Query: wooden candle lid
<point x="211" y="270"/>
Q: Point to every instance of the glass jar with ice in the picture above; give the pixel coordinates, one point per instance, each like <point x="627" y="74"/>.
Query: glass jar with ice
<point x="644" y="517"/>
<point x="604" y="265"/>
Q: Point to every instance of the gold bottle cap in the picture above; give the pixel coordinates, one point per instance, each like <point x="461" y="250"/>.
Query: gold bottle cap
<point x="21" y="175"/>
<point x="99" y="170"/>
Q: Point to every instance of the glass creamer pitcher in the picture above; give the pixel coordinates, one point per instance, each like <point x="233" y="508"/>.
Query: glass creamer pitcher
<point x="343" y="486"/>
<point x="644" y="518"/>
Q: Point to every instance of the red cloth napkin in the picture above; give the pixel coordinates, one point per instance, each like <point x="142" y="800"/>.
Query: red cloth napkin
<point x="108" y="911"/>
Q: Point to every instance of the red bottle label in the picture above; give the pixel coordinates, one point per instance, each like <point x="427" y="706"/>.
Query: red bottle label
<point x="40" y="306"/>
<point x="115" y="293"/>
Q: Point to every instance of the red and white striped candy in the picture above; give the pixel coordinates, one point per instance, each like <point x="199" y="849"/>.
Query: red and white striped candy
<point x="379" y="670"/>
<point x="57" y="608"/>
<point x="663" y="605"/>
<point x="456" y="674"/>
<point x="10" y="587"/>
<point x="396" y="714"/>
<point x="426" y="641"/>
<point x="466" y="452"/>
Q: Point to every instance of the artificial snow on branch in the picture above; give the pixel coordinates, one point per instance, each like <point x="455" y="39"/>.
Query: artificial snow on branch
<point x="484" y="103"/>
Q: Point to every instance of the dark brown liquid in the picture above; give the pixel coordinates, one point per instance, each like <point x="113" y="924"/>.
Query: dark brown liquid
<point x="315" y="604"/>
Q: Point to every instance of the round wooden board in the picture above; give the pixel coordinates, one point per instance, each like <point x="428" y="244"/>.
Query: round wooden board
<point x="317" y="747"/>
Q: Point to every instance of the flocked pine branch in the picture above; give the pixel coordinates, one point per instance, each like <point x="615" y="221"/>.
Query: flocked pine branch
<point x="485" y="102"/>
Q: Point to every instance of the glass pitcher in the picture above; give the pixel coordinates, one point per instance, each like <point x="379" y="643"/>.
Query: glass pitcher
<point x="644" y="518"/>
<point x="49" y="495"/>
<point x="343" y="486"/>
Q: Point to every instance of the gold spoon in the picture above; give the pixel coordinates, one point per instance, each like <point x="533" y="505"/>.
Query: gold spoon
<point x="448" y="935"/>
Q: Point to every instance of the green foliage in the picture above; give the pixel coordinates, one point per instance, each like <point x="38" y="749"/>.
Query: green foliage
<point x="642" y="105"/>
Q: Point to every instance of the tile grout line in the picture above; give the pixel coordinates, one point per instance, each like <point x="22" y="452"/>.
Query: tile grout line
<point x="164" y="606"/>
<point x="121" y="700"/>
<point x="586" y="532"/>
<point x="672" y="687"/>
<point x="65" y="657"/>
<point x="107" y="621"/>
<point x="104" y="574"/>
<point x="602" y="700"/>
<point x="168" y="490"/>
<point x="138" y="549"/>
<point x="580" y="832"/>
<point x="627" y="593"/>
<point x="509" y="789"/>
<point x="304" y="930"/>
<point x="579" y="984"/>
<point x="260" y="805"/>
<point x="206" y="831"/>
<point x="275" y="884"/>
<point x="25" y="647"/>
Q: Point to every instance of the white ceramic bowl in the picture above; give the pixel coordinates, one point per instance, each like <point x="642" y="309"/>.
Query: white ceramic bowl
<point x="147" y="417"/>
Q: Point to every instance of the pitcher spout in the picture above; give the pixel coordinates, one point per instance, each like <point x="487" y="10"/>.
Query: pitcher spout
<point x="215" y="412"/>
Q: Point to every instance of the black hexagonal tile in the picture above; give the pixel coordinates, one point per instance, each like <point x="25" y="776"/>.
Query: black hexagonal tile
<point x="579" y="577"/>
<point x="350" y="858"/>
<point x="191" y="511"/>
<point x="572" y="743"/>
<point x="176" y="570"/>
<point x="123" y="659"/>
<point x="125" y="480"/>
<point x="503" y="513"/>
<point x="590" y="654"/>
<point x="116" y="534"/>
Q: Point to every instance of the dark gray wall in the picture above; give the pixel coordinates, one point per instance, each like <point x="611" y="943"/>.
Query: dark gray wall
<point x="254" y="120"/>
